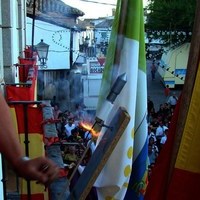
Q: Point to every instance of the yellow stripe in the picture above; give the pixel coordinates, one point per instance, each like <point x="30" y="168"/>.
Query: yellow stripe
<point x="189" y="151"/>
<point x="36" y="148"/>
<point x="35" y="188"/>
<point x="36" y="145"/>
<point x="14" y="117"/>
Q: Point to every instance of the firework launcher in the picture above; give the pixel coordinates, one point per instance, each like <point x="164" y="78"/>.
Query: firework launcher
<point x="112" y="134"/>
<point x="109" y="102"/>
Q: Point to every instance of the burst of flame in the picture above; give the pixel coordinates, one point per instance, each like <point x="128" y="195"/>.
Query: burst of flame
<point x="87" y="126"/>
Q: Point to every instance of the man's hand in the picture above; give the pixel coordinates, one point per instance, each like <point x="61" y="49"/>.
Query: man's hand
<point x="40" y="169"/>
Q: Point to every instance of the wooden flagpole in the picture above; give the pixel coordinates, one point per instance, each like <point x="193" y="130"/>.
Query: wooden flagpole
<point x="192" y="68"/>
<point x="120" y="38"/>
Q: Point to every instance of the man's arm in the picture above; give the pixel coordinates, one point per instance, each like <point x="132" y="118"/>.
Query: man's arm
<point x="9" y="142"/>
<point x="41" y="169"/>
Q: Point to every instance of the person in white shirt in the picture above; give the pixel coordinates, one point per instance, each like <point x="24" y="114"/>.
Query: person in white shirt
<point x="164" y="138"/>
<point x="69" y="126"/>
<point x="151" y="133"/>
<point x="160" y="132"/>
<point x="172" y="101"/>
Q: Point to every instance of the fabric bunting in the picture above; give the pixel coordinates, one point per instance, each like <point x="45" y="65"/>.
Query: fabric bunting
<point x="125" y="174"/>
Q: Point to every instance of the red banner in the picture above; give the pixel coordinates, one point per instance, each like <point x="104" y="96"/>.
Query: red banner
<point x="24" y="66"/>
<point x="28" y="75"/>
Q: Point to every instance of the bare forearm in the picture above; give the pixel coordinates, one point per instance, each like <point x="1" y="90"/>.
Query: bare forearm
<point x="41" y="168"/>
<point x="9" y="142"/>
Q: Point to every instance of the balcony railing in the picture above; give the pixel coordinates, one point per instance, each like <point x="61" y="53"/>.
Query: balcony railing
<point x="93" y="51"/>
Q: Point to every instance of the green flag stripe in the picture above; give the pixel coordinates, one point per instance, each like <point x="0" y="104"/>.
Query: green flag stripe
<point x="142" y="55"/>
<point x="133" y="20"/>
<point x="135" y="28"/>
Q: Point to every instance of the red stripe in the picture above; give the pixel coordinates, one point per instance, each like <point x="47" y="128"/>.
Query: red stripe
<point x="23" y="70"/>
<point x="19" y="93"/>
<point x="22" y="93"/>
<point x="158" y="184"/>
<point x="63" y="172"/>
<point x="184" y="185"/>
<point x="35" y="117"/>
<point x="51" y="140"/>
<point x="33" y="197"/>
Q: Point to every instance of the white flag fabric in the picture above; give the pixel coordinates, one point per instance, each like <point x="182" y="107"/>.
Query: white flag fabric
<point x="126" y="54"/>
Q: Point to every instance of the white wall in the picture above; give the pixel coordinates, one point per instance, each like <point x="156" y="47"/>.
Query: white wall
<point x="1" y="49"/>
<point x="91" y="89"/>
<point x="57" y="37"/>
<point x="10" y="38"/>
<point x="76" y="41"/>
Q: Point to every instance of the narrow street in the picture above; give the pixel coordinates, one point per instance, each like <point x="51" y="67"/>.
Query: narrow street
<point x="155" y="88"/>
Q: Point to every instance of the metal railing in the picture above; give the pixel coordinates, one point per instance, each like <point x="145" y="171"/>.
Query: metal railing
<point x="93" y="51"/>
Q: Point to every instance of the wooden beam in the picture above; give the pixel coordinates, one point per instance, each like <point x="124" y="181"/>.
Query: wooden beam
<point x="100" y="155"/>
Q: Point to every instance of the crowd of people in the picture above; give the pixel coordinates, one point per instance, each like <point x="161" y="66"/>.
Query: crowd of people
<point x="75" y="139"/>
<point x="158" y="125"/>
<point x="70" y="130"/>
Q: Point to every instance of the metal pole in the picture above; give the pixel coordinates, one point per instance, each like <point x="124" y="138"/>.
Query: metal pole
<point x="4" y="177"/>
<point x="26" y="142"/>
<point x="33" y="28"/>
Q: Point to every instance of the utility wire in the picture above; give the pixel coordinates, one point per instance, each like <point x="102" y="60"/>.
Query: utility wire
<point x="89" y="1"/>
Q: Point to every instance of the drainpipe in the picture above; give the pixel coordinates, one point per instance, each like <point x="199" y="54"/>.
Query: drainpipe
<point x="33" y="27"/>
<point x="71" y="48"/>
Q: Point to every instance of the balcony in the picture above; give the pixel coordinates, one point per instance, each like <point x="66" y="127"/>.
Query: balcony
<point x="94" y="50"/>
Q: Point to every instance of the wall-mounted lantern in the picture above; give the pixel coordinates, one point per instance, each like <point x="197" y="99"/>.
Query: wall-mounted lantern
<point x="87" y="40"/>
<point x="42" y="50"/>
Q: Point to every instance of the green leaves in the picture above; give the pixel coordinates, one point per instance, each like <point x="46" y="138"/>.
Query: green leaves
<point x="172" y="16"/>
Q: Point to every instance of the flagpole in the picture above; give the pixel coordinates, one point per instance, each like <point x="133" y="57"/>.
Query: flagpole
<point x="117" y="42"/>
<point x="120" y="38"/>
<point x="192" y="67"/>
<point x="33" y="28"/>
<point x="120" y="33"/>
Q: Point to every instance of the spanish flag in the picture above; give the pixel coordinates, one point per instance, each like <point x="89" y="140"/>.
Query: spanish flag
<point x="176" y="174"/>
<point x="185" y="182"/>
<point x="158" y="182"/>
<point x="31" y="125"/>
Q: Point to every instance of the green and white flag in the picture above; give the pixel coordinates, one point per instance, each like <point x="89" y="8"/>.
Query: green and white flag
<point x="126" y="54"/>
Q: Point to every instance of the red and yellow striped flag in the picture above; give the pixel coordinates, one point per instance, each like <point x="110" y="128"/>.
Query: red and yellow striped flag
<point x="176" y="174"/>
<point x="185" y="182"/>
<point x="35" y="145"/>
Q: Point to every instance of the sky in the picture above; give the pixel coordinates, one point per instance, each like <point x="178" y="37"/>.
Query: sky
<point x="94" y="10"/>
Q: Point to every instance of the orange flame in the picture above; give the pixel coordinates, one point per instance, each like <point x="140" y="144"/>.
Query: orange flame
<point x="87" y="126"/>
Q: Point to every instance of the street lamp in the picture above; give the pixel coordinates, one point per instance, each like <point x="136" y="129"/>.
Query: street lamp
<point x="42" y="51"/>
<point x="87" y="40"/>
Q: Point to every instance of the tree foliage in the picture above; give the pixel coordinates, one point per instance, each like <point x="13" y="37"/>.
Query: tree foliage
<point x="170" y="16"/>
